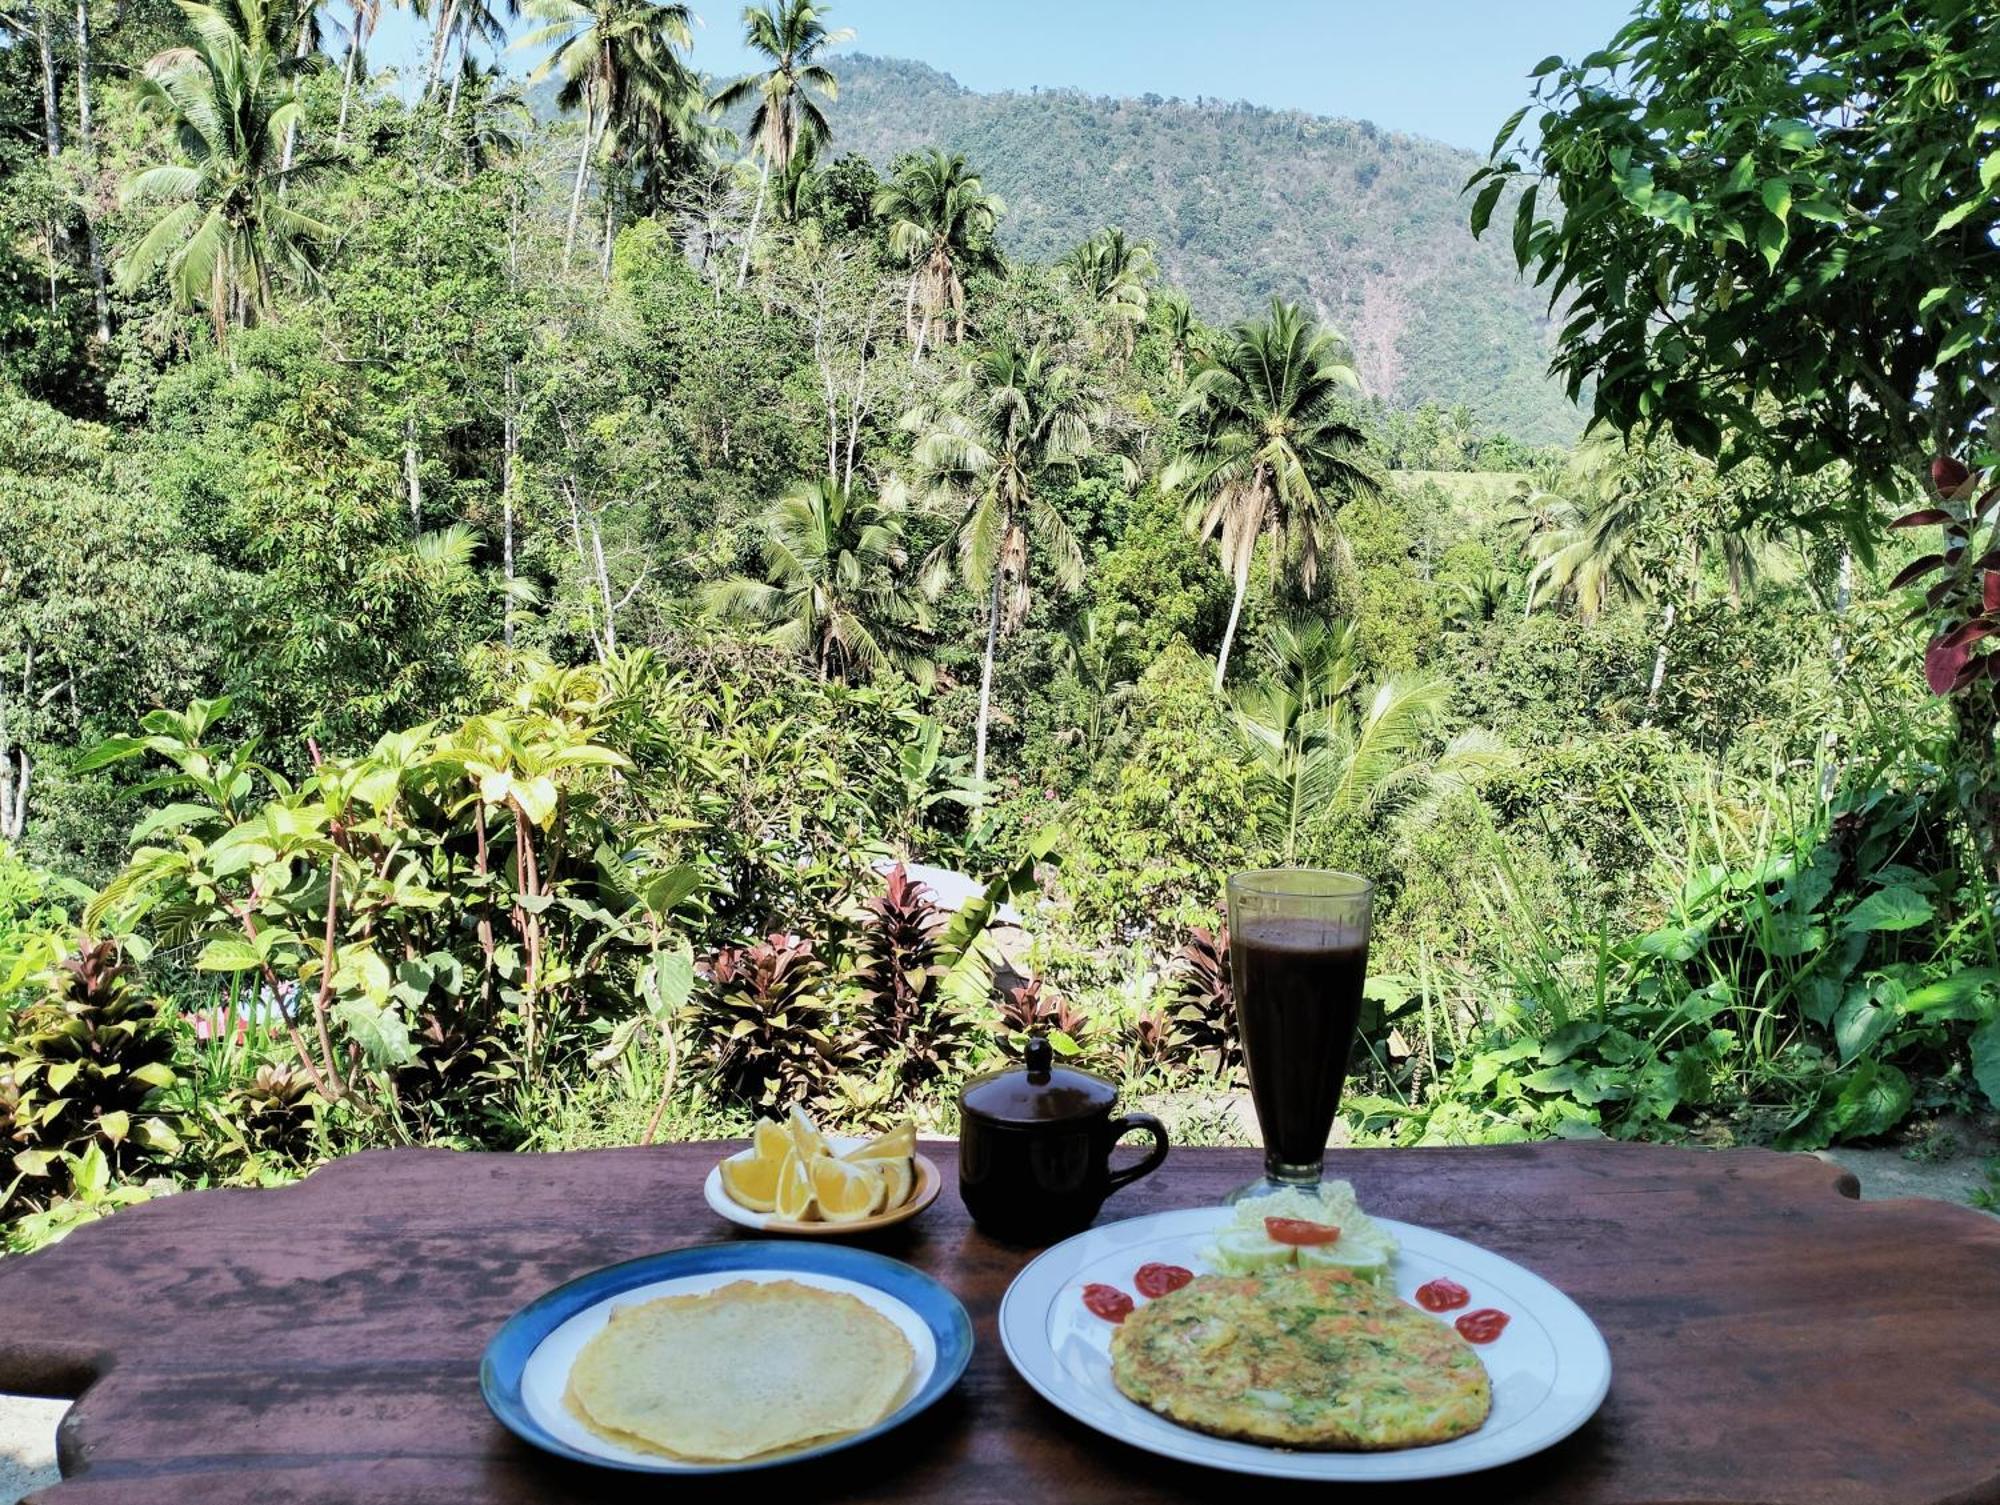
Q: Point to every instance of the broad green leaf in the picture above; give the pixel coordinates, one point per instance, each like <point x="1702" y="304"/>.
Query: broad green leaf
<point x="672" y="979"/>
<point x="1507" y="130"/>
<point x="90" y="1174"/>
<point x="111" y="750"/>
<point x="1954" y="217"/>
<point x="1795" y="134"/>
<point x="1893" y="908"/>
<point x="173" y="818"/>
<point x="34" y="1163"/>
<point x="1778" y="197"/>
<point x="378" y="1029"/>
<point x="1986" y="1060"/>
<point x="1771" y="239"/>
<point x="361" y="969"/>
<point x="154" y="1074"/>
<point x="1872" y="1102"/>
<point x="1546" y="66"/>
<point x="1968" y="333"/>
<point x="115" y="1126"/>
<point x="1859" y="1022"/>
<point x="155" y="1135"/>
<point x="1989" y="170"/>
<point x="228" y="953"/>
<point x="1482" y="206"/>
<point x="1959" y="996"/>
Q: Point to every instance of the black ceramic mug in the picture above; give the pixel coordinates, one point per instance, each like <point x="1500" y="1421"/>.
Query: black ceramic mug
<point x="1034" y="1149"/>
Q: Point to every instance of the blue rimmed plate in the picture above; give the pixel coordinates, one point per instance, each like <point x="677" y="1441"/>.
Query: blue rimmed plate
<point x="526" y="1366"/>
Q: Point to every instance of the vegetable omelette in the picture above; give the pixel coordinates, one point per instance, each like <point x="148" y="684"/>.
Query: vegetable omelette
<point x="1302" y="1358"/>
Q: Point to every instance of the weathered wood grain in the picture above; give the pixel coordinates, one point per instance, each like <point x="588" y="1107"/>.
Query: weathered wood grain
<point x="1772" y="1340"/>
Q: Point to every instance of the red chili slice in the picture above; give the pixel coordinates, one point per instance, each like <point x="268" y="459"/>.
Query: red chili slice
<point x="1442" y="1295"/>
<point x="1298" y="1231"/>
<point x="1482" y="1326"/>
<point x="1154" y="1281"/>
<point x="1108" y="1302"/>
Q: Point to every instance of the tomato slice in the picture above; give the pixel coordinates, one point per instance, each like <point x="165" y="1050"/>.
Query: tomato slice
<point x="1108" y="1302"/>
<point x="1482" y="1326"/>
<point x="1442" y="1295"/>
<point x="1298" y="1231"/>
<point x="1155" y="1281"/>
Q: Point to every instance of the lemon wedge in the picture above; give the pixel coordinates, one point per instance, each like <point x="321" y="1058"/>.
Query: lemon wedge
<point x="770" y="1140"/>
<point x="752" y="1181"/>
<point x="846" y="1193"/>
<point x="900" y="1143"/>
<point x="899" y="1179"/>
<point x="794" y="1200"/>
<point x="806" y="1137"/>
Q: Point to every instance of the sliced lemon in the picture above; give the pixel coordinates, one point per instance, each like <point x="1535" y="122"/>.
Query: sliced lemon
<point x="752" y="1181"/>
<point x="794" y="1201"/>
<point x="770" y="1140"/>
<point x="846" y="1193"/>
<point x="806" y="1137"/>
<point x="899" y="1179"/>
<point x="900" y="1143"/>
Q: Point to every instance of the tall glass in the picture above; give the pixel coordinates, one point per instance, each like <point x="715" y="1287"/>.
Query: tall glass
<point x="1298" y="954"/>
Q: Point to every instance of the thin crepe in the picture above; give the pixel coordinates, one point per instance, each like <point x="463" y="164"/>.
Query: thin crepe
<point x="749" y="1368"/>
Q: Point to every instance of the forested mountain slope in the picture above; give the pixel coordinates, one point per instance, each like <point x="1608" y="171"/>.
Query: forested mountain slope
<point x="1367" y="225"/>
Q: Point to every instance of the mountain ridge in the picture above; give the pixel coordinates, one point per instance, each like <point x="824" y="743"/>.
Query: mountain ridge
<point x="1244" y="202"/>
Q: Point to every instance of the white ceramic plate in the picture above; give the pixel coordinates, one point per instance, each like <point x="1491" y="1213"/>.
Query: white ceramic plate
<point x="923" y="1192"/>
<point x="1550" y="1369"/>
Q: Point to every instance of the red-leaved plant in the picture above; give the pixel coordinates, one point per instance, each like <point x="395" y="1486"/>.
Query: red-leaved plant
<point x="1964" y="606"/>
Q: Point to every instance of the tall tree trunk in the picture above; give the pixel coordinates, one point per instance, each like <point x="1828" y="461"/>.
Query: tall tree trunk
<point x="610" y="235"/>
<point x="1659" y="662"/>
<point x="986" y="684"/>
<point x="1229" y="632"/>
<point x="347" y="80"/>
<point x="1843" y="597"/>
<point x="88" y="138"/>
<point x="582" y="177"/>
<point x="16" y="767"/>
<point x="440" y="43"/>
<point x="604" y="589"/>
<point x="756" y="214"/>
<point x="300" y="49"/>
<point x="51" y="90"/>
<point x="510" y="482"/>
<point x="413" y="480"/>
<point x="457" y="78"/>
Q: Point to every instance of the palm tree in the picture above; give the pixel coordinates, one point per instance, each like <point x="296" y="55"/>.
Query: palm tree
<point x="614" y="57"/>
<point x="1174" y="315"/>
<point x="366" y="14"/>
<point x="1591" y="555"/>
<point x="1328" y="757"/>
<point x="1115" y="277"/>
<point x="940" y="218"/>
<point x="1010" y="418"/>
<point x="1274" y="453"/>
<point x="791" y="34"/>
<point x="231" y="98"/>
<point x="1477" y="599"/>
<point x="1095" y="654"/>
<point x="833" y="588"/>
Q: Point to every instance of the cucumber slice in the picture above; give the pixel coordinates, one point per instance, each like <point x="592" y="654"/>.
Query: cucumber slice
<point x="1359" y="1259"/>
<point x="1246" y="1251"/>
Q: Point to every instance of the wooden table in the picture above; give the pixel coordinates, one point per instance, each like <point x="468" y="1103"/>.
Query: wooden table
<point x="1771" y="1339"/>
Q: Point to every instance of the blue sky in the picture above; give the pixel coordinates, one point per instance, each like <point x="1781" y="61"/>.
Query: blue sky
<point x="1453" y="69"/>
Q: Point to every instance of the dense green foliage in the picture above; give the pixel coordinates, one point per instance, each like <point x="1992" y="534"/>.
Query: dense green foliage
<point x="487" y="675"/>
<point x="1246" y="204"/>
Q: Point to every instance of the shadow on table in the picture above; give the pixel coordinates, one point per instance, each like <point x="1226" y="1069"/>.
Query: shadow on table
<point x="931" y="1458"/>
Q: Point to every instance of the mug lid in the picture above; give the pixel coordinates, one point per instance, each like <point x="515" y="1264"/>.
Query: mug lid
<point x="1038" y="1091"/>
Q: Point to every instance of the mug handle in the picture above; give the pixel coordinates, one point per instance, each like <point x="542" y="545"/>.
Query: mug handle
<point x="1120" y="1127"/>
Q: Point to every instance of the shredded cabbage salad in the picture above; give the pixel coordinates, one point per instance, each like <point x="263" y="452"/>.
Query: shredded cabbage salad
<point x="1365" y="1247"/>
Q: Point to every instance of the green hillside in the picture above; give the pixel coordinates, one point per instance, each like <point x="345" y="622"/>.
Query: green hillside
<point x="1365" y="224"/>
